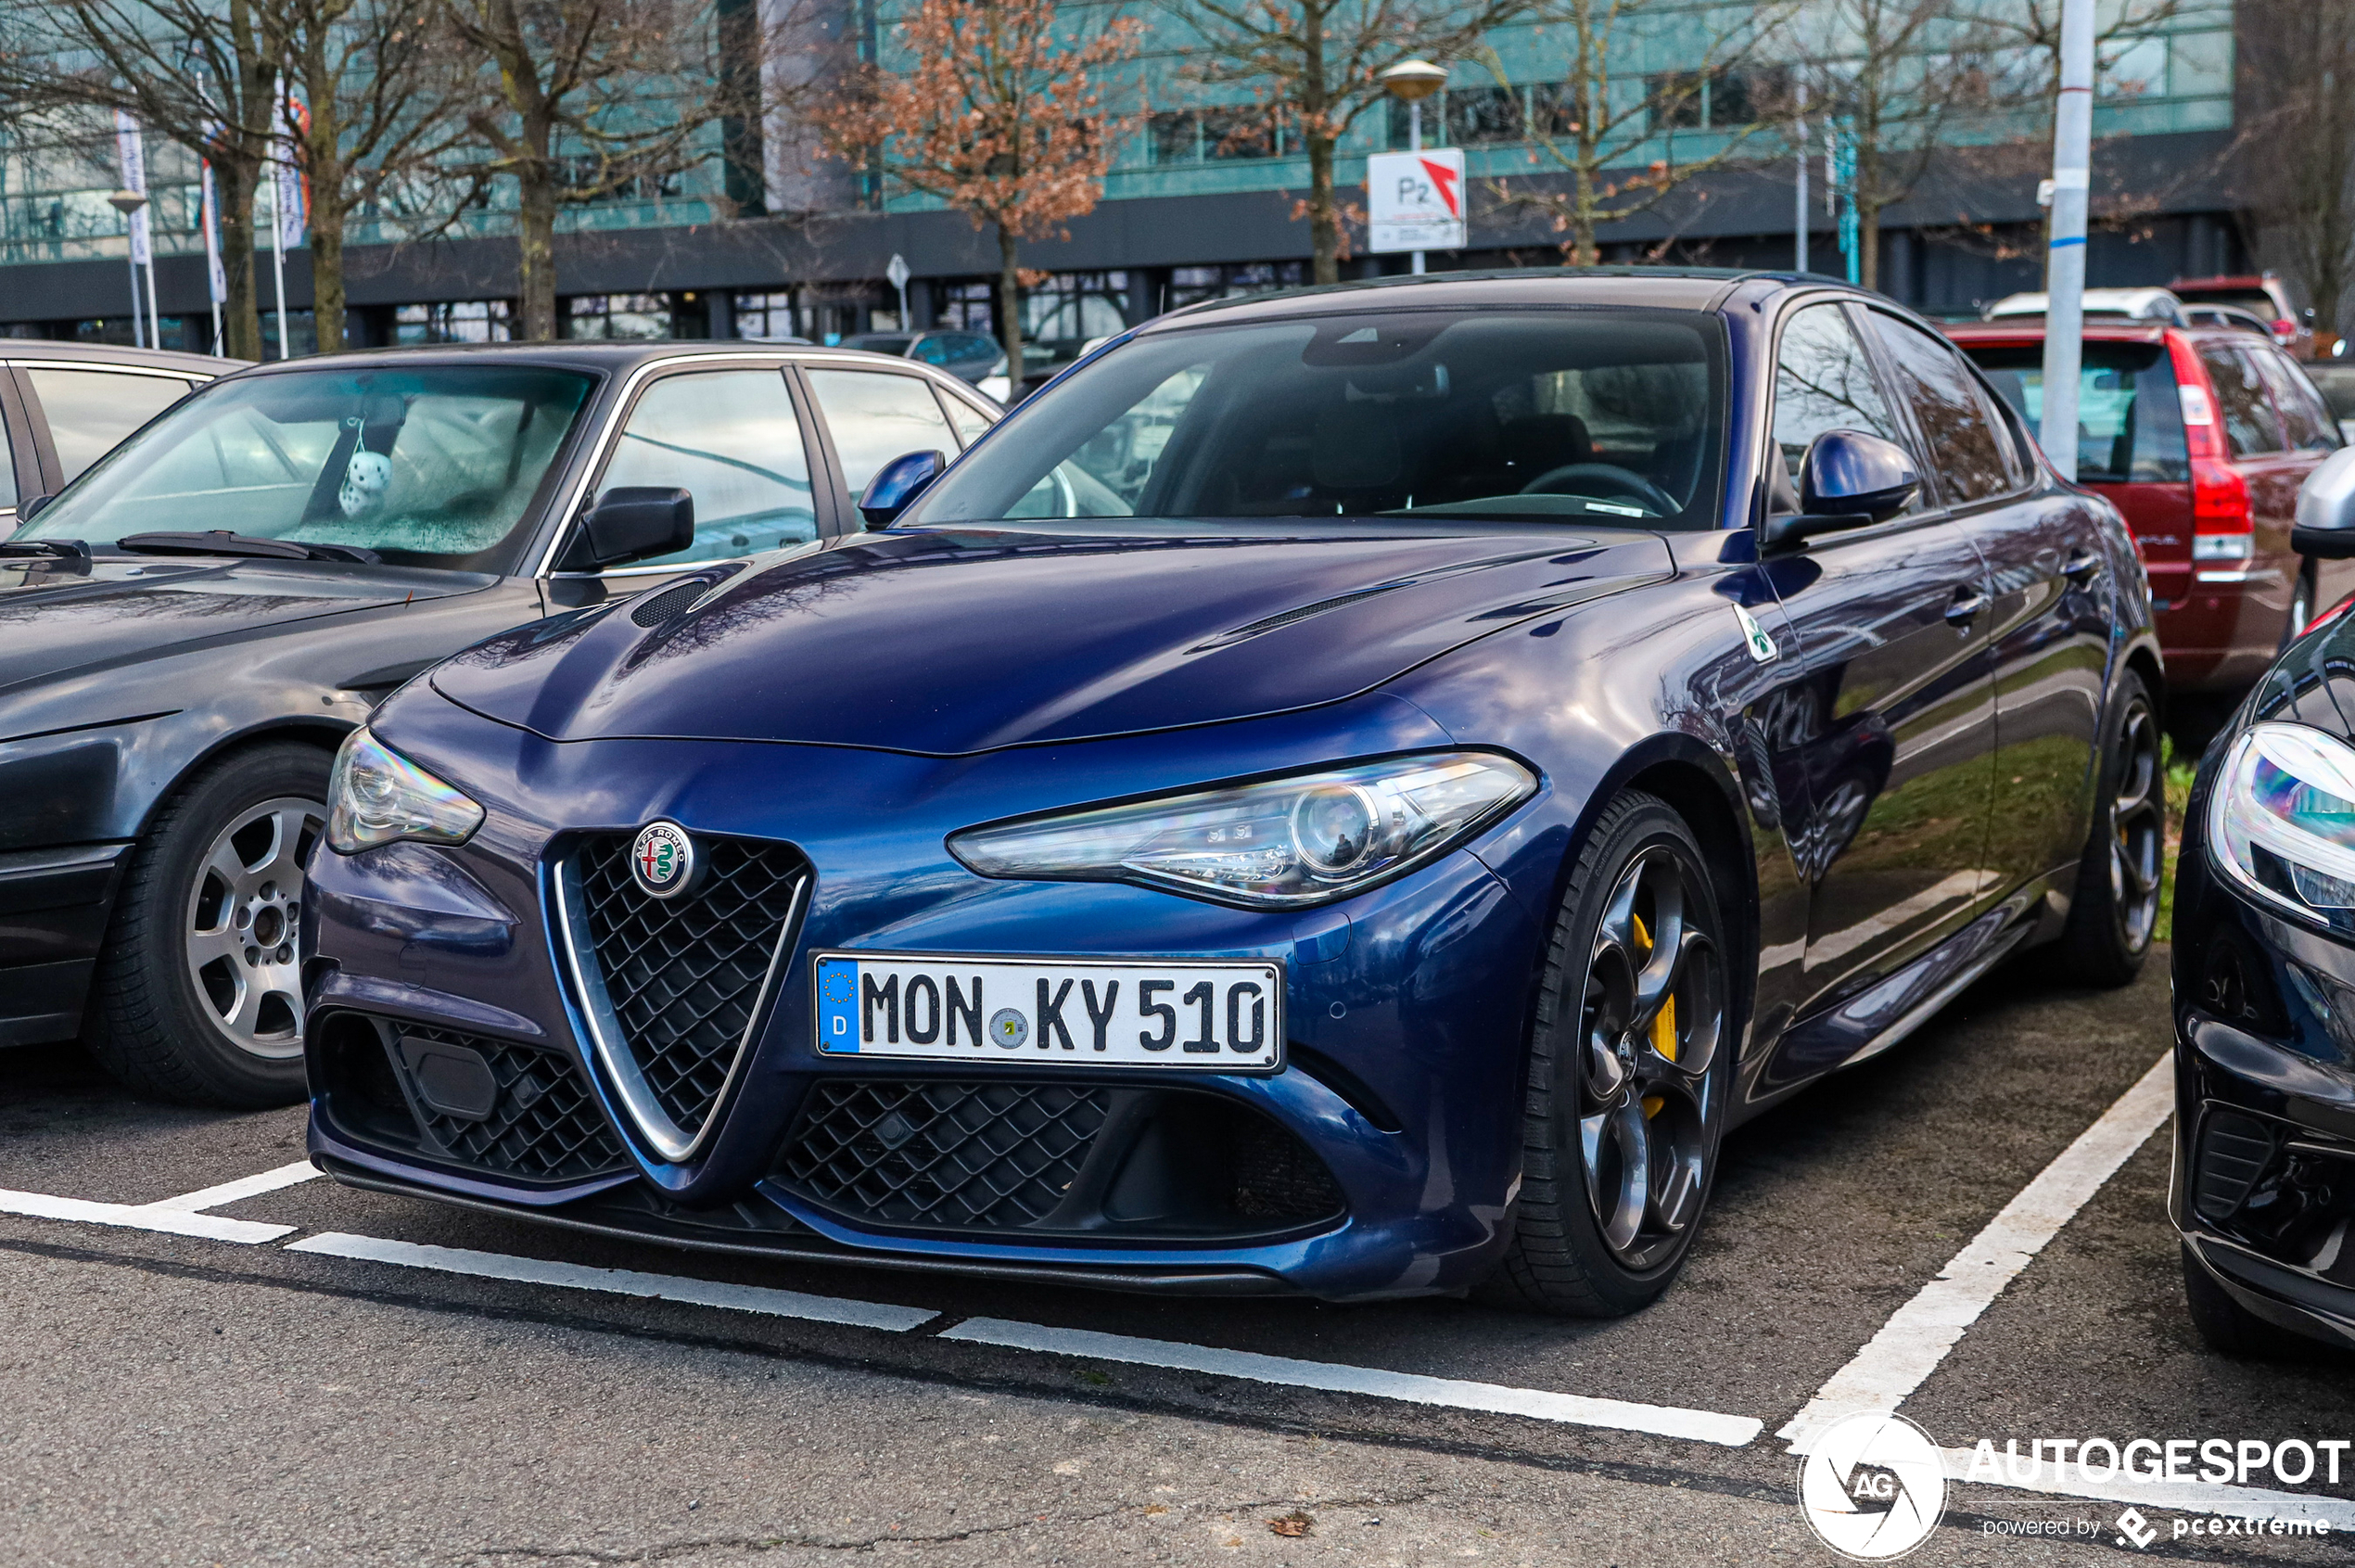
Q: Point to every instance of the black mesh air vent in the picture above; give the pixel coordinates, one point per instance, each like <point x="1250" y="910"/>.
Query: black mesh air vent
<point x="684" y="974"/>
<point x="991" y="1155"/>
<point x="656" y="609"/>
<point x="2234" y="1152"/>
<point x="542" y="1122"/>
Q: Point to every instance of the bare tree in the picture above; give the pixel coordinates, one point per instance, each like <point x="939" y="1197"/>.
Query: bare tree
<point x="1589" y="127"/>
<point x="1314" y="67"/>
<point x="581" y="101"/>
<point x="2296" y="61"/>
<point x="200" y="73"/>
<point x="986" y="107"/>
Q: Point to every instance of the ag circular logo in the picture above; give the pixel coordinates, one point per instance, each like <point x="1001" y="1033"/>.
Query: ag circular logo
<point x="1872" y="1486"/>
<point x="662" y="859"/>
<point x="1009" y="1028"/>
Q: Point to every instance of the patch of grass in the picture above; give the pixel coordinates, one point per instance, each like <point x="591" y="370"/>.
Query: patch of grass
<point x="2179" y="773"/>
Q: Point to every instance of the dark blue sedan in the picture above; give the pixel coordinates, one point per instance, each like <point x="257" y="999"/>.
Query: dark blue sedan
<point x="1351" y="792"/>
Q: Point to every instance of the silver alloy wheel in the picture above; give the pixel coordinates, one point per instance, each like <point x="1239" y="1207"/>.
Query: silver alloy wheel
<point x="2138" y="828"/>
<point x="243" y="916"/>
<point x="1653" y="1012"/>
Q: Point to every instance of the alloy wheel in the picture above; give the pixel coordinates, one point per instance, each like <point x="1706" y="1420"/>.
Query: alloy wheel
<point x="242" y="922"/>
<point x="2138" y="828"/>
<point x="1650" y="1028"/>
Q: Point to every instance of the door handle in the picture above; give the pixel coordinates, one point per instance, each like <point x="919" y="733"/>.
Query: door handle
<point x="1964" y="608"/>
<point x="2083" y="567"/>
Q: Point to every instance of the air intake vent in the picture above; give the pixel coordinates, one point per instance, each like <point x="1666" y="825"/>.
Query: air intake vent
<point x="672" y="601"/>
<point x="674" y="987"/>
<point x="2234" y="1152"/>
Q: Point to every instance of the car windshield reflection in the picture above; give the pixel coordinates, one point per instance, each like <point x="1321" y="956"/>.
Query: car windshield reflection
<point x="435" y="465"/>
<point x="1603" y="416"/>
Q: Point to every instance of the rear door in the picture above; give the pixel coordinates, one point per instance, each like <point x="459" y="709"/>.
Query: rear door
<point x="2262" y="455"/>
<point x="2049" y="624"/>
<point x="1898" y="745"/>
<point x="872" y="416"/>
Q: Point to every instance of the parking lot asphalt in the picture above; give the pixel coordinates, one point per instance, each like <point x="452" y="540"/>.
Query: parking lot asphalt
<point x="395" y="1381"/>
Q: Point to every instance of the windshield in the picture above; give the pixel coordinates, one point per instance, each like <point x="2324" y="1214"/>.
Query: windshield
<point x="1601" y="415"/>
<point x="430" y="466"/>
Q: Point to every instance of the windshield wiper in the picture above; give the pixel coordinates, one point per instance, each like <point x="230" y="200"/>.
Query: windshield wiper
<point x="221" y="542"/>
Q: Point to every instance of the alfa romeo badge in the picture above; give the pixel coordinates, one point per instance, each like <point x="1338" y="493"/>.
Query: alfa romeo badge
<point x="662" y="859"/>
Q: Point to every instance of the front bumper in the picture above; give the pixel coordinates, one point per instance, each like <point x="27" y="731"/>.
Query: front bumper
<point x="448" y="1053"/>
<point x="2263" y="1190"/>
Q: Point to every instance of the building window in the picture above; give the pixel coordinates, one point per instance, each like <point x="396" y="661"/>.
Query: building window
<point x="972" y="307"/>
<point x="2136" y="68"/>
<point x="459" y="321"/>
<point x="1070" y="308"/>
<point x="1717" y="100"/>
<point x="629" y="317"/>
<point x="1191" y="285"/>
<point x="1475" y="115"/>
<point x="765" y="317"/>
<point x="1204" y="136"/>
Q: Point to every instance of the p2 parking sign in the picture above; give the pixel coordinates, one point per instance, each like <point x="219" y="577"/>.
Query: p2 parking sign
<point x="1415" y="201"/>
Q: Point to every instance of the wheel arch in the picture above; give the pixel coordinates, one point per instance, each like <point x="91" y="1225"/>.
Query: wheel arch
<point x="323" y="732"/>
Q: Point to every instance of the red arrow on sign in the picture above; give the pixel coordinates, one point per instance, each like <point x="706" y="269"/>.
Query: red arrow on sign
<point x="1445" y="178"/>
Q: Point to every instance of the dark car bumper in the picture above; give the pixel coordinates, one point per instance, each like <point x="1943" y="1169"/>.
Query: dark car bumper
<point x="448" y="1055"/>
<point x="54" y="905"/>
<point x="2263" y="1191"/>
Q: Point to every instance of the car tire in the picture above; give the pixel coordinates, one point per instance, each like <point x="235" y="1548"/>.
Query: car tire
<point x="2229" y="1329"/>
<point x="2114" y="911"/>
<point x="1614" y="1176"/>
<point x="189" y="1004"/>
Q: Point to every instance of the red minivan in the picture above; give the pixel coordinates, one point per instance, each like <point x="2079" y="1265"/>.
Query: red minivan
<point x="2201" y="435"/>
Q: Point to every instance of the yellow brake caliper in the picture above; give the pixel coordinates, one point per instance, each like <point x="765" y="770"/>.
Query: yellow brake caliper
<point x="1663" y="1022"/>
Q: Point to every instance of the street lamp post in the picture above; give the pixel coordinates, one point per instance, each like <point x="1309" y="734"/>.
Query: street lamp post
<point x="1411" y="81"/>
<point x="128" y="203"/>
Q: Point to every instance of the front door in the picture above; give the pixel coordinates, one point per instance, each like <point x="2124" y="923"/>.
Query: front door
<point x="1897" y="738"/>
<point x="2048" y="626"/>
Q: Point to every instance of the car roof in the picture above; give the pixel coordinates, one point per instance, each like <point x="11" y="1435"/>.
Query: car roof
<point x="67" y="352"/>
<point x="1686" y="288"/>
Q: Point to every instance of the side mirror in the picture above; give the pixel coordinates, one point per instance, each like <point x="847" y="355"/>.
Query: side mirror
<point x="632" y="522"/>
<point x="25" y="513"/>
<point x="898" y="483"/>
<point x="2325" y="526"/>
<point x="1848" y="480"/>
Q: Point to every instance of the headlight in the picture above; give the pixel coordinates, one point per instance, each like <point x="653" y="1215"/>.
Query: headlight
<point x="2282" y="822"/>
<point x="377" y="795"/>
<point x="1277" y="845"/>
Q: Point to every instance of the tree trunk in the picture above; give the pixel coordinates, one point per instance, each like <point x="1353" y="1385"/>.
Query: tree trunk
<point x="1010" y="309"/>
<point x="233" y="182"/>
<point x="1324" y="217"/>
<point x="1869" y="244"/>
<point x="536" y="249"/>
<point x="322" y="164"/>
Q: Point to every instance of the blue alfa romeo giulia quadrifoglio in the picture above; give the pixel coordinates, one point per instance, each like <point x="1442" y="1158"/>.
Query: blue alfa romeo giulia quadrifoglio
<point x="1350" y="790"/>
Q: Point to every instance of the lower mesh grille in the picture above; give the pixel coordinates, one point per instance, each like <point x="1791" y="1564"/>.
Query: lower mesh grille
<point x="991" y="1155"/>
<point x="2234" y="1152"/>
<point x="535" y="1119"/>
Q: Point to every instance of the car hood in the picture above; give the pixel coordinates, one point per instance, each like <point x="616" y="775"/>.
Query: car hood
<point x="60" y="616"/>
<point x="951" y="641"/>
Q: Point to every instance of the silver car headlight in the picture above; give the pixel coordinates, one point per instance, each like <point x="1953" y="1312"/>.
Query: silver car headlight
<point x="1280" y="844"/>
<point x="377" y="795"/>
<point x="2280" y="821"/>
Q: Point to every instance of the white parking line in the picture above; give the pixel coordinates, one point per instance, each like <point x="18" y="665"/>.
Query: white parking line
<point x="243" y="1188"/>
<point x="140" y="1216"/>
<point x="618" y="1281"/>
<point x="1917" y="1337"/>
<point x="1700" y="1426"/>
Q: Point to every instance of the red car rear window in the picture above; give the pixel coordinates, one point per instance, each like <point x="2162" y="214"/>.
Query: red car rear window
<point x="2129" y="418"/>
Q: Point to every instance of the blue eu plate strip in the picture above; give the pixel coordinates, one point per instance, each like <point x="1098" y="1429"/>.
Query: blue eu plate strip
<point x="837" y="1004"/>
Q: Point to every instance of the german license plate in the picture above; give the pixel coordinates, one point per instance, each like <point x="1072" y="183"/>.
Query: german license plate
<point x="1187" y="1013"/>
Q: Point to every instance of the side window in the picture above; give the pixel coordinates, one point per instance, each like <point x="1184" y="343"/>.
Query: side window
<point x="875" y="416"/>
<point x="1822" y="381"/>
<point x="932" y="349"/>
<point x="970" y="421"/>
<point x="7" y="473"/>
<point x="730" y="439"/>
<point x="2306" y="424"/>
<point x="2250" y="425"/>
<point x="90" y="411"/>
<point x="1956" y="424"/>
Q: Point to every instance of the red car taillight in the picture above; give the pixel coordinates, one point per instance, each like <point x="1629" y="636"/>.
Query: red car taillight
<point x="2223" y="523"/>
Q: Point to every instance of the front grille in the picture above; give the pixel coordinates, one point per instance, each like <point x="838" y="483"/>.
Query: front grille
<point x="540" y="1123"/>
<point x="992" y="1155"/>
<point x="684" y="977"/>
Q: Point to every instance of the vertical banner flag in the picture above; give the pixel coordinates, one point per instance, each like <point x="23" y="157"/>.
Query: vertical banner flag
<point x="294" y="207"/>
<point x="134" y="178"/>
<point x="211" y="199"/>
<point x="1415" y="201"/>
